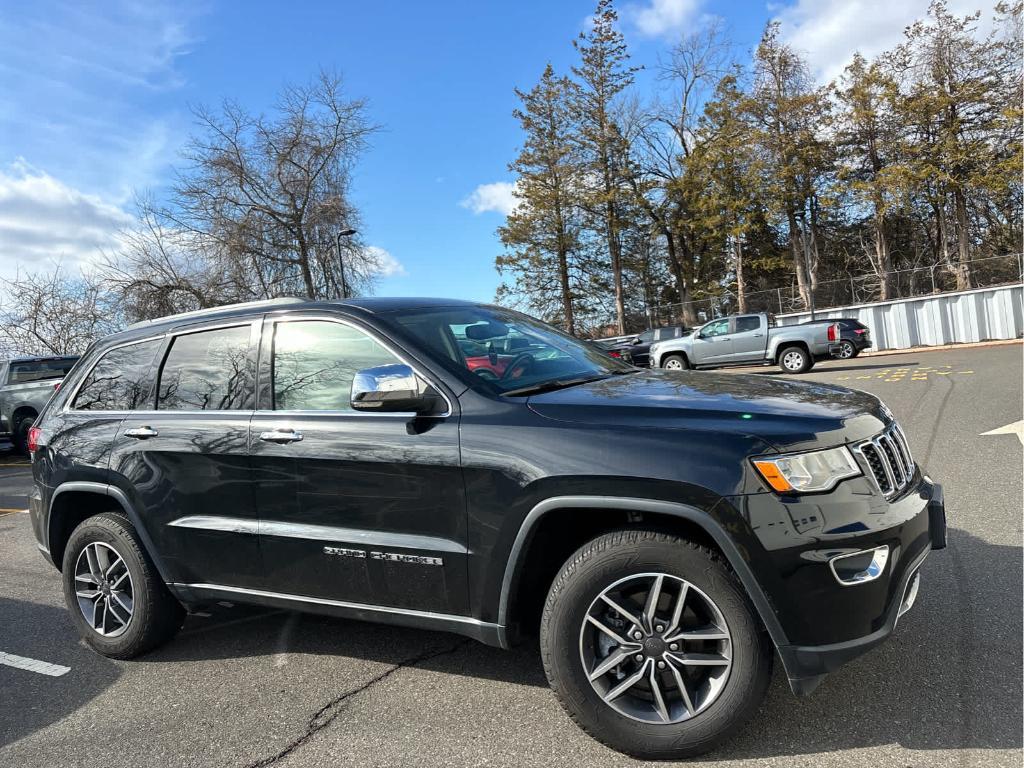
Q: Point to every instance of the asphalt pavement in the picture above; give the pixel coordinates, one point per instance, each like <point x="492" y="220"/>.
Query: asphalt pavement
<point x="245" y="688"/>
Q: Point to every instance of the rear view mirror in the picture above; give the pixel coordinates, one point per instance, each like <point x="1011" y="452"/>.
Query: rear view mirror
<point x="392" y="388"/>
<point x="484" y="331"/>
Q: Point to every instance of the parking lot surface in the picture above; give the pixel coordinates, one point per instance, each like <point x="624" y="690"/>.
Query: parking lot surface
<point x="246" y="688"/>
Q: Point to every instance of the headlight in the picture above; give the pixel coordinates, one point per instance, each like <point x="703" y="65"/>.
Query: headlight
<point x="807" y="472"/>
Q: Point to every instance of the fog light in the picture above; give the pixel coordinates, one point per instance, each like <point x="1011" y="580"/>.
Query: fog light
<point x="860" y="567"/>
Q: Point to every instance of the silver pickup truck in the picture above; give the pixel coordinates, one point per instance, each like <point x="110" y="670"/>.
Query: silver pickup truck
<point x="26" y="383"/>
<point x="748" y="340"/>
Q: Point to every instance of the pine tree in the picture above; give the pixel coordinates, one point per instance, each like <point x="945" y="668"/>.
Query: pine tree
<point x="789" y="110"/>
<point x="542" y="236"/>
<point x="867" y="134"/>
<point x="601" y="76"/>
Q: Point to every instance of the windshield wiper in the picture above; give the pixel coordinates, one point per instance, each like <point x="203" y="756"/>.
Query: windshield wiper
<point x="550" y="386"/>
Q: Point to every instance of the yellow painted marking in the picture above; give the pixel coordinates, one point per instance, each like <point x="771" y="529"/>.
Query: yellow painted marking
<point x="965" y="371"/>
<point x="843" y="378"/>
<point x="943" y="373"/>
<point x="4" y="511"/>
<point x="863" y="377"/>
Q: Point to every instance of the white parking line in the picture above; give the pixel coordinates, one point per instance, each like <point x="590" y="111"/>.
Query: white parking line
<point x="33" y="665"/>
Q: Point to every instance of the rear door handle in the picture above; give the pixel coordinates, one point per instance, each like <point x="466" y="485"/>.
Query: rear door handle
<point x="281" y="436"/>
<point x="141" y="433"/>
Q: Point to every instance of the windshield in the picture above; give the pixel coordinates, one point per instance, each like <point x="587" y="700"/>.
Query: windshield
<point x="512" y="353"/>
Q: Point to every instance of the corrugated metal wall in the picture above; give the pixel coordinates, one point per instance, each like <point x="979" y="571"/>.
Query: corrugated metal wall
<point x="948" y="318"/>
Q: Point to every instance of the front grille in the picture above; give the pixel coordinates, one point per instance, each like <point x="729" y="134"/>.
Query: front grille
<point x="888" y="457"/>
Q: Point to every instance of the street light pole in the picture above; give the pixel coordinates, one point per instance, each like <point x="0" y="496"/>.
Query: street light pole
<point x="341" y="260"/>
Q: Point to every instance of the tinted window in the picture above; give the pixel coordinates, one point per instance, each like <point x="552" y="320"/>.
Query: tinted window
<point x="717" y="328"/>
<point x="647" y="336"/>
<point x="39" y="370"/>
<point x="748" y="323"/>
<point x="207" y="371"/>
<point x="120" y="381"/>
<point x="315" y="361"/>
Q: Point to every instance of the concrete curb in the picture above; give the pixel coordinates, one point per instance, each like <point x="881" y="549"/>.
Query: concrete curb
<point x="939" y="348"/>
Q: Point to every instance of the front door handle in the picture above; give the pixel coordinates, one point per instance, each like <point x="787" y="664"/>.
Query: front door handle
<point x="281" y="436"/>
<point x="141" y="433"/>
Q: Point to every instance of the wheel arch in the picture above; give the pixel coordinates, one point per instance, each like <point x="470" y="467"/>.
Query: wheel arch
<point x="782" y="346"/>
<point x="678" y="515"/>
<point x="76" y="501"/>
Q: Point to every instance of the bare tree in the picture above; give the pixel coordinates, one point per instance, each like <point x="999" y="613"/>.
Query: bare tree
<point x="267" y="196"/>
<point x="50" y="313"/>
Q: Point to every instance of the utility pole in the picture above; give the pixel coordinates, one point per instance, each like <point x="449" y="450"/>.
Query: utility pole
<point x="341" y="260"/>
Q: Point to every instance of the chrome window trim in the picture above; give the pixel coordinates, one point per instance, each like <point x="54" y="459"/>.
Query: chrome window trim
<point x="74" y="392"/>
<point x="383" y="609"/>
<point x="329" y="318"/>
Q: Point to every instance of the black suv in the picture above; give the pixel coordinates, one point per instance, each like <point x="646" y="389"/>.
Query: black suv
<point x="343" y="457"/>
<point x="854" y="336"/>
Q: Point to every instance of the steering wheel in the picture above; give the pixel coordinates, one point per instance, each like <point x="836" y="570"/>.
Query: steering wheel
<point x="522" y="362"/>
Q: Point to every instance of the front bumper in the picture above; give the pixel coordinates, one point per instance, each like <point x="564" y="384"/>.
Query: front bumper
<point x="807" y="665"/>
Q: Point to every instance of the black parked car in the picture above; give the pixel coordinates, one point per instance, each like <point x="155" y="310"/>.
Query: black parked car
<point x="637" y="349"/>
<point x="665" y="532"/>
<point x="855" y="337"/>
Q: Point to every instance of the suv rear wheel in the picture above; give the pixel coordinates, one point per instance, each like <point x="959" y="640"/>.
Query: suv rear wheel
<point x="117" y="600"/>
<point x="652" y="646"/>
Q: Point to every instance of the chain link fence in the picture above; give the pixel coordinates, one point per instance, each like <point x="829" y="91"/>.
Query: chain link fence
<point x="861" y="289"/>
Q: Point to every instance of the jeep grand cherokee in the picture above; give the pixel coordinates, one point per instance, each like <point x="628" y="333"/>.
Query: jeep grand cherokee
<point x="666" y="533"/>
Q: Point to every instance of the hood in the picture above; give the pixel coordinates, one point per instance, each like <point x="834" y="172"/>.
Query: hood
<point x="790" y="415"/>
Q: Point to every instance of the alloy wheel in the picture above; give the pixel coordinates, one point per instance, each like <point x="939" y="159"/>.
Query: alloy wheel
<point x="846" y="350"/>
<point x="793" y="361"/>
<point x="656" y="648"/>
<point x="674" y="364"/>
<point x="104" y="588"/>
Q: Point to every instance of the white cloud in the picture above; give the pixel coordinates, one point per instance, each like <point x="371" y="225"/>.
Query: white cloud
<point x="85" y="92"/>
<point x="657" y="18"/>
<point x="828" y="32"/>
<point x="43" y="220"/>
<point x="498" y="196"/>
<point x="382" y="263"/>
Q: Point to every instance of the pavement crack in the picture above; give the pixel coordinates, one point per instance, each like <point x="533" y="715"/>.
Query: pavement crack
<point x="330" y="711"/>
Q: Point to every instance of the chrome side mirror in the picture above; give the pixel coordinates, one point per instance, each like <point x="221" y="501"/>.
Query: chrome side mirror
<point x="390" y="389"/>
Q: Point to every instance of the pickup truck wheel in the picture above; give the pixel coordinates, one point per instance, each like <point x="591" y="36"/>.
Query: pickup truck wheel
<point x="675" y="363"/>
<point x="794" y="360"/>
<point x="19" y="433"/>
<point x="117" y="600"/>
<point x="652" y="646"/>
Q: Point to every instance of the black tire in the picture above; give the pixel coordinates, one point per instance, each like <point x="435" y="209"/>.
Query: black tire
<point x="605" y="561"/>
<point x="19" y="432"/>
<point x="679" y="360"/>
<point x="856" y="352"/>
<point x="847" y="351"/>
<point x="794" y="360"/>
<point x="156" y="615"/>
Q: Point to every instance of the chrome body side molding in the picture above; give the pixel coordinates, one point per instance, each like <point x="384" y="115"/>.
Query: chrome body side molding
<point x="356" y="536"/>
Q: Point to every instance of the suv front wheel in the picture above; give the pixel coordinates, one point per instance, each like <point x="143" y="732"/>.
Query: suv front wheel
<point x="117" y="600"/>
<point x="652" y="646"/>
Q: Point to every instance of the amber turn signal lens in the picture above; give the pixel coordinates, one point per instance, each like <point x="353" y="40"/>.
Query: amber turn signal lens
<point x="771" y="473"/>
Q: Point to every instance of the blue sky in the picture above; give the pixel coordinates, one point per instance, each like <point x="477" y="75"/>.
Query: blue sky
<point x="95" y="98"/>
